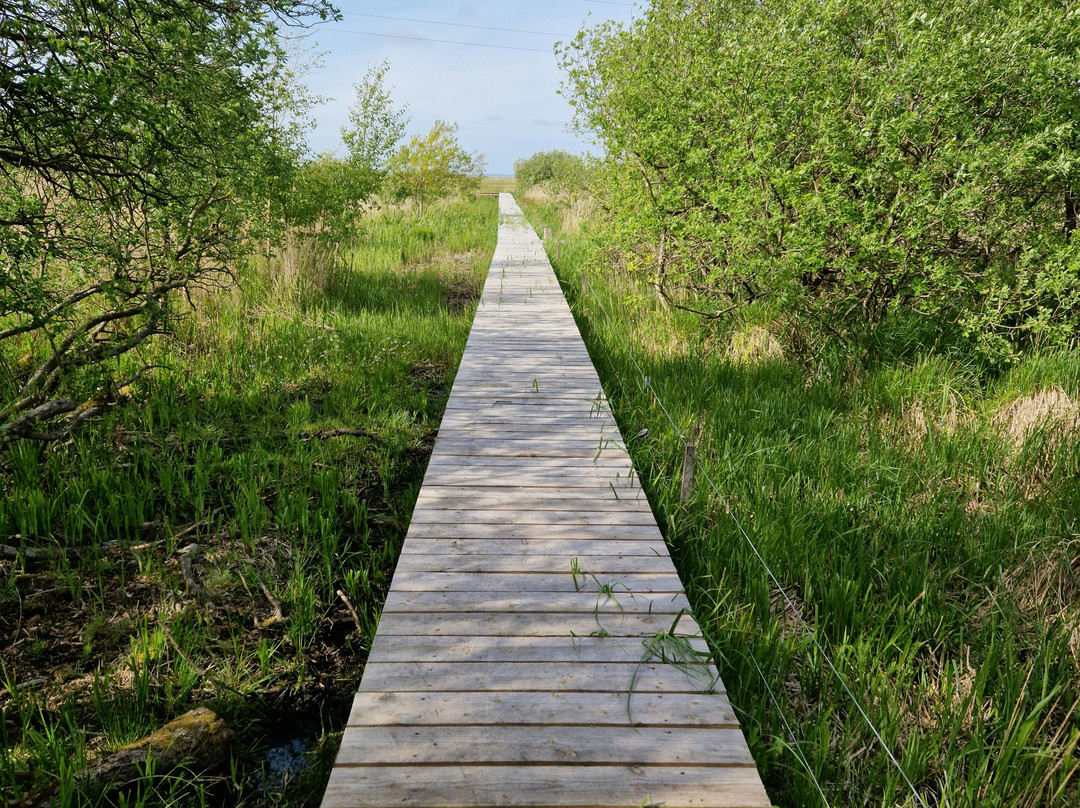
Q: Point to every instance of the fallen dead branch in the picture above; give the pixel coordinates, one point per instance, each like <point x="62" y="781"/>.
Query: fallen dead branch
<point x="13" y="552"/>
<point x="349" y="606"/>
<point x="274" y="603"/>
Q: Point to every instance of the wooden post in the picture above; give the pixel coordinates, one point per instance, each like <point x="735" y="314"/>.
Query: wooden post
<point x="584" y="288"/>
<point x="687" y="474"/>
<point x="558" y="253"/>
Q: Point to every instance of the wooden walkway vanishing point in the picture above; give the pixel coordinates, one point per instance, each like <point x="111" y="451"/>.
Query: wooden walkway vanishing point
<point x="509" y="666"/>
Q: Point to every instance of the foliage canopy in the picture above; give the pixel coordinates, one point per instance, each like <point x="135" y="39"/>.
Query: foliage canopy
<point x="556" y="171"/>
<point x="852" y="162"/>
<point x="137" y="157"/>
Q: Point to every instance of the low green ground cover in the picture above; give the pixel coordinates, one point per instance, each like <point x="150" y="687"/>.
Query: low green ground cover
<point x="922" y="515"/>
<point x="227" y="537"/>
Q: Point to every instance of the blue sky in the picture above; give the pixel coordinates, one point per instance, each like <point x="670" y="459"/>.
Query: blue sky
<point x="505" y="101"/>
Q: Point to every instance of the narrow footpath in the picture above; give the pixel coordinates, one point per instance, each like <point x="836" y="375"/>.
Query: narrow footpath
<point x="536" y="648"/>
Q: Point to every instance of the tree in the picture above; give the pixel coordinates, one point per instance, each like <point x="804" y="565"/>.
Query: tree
<point x="854" y="163"/>
<point x="136" y="162"/>
<point x="326" y="193"/>
<point x="376" y="126"/>
<point x="433" y="166"/>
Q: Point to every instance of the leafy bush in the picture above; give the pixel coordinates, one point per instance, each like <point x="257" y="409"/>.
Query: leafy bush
<point x="853" y="162"/>
<point x="137" y="164"/>
<point x="555" y="171"/>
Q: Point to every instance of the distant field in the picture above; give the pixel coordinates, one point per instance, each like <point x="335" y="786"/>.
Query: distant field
<point x="498" y="185"/>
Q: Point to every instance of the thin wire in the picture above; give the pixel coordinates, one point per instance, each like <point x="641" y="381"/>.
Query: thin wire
<point x="813" y="638"/>
<point x="776" y="582"/>
<point x="791" y="732"/>
<point x="440" y="41"/>
<point x="451" y="24"/>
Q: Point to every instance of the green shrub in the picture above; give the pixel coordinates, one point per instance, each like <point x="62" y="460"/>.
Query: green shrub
<point x="555" y="171"/>
<point x="854" y="162"/>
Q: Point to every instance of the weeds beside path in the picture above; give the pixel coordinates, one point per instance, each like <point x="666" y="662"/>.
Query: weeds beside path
<point x="227" y="538"/>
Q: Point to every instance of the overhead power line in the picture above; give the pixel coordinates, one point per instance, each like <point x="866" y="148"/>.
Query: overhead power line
<point x="453" y="24"/>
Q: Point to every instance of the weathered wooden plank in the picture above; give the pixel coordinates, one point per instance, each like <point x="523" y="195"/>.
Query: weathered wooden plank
<point x="520" y="476"/>
<point x="531" y="499"/>
<point x="565" y="548"/>
<point x="546" y="787"/>
<point x="586" y="450"/>
<point x="502" y="562"/>
<point x="524" y="413"/>
<point x="517" y="474"/>
<point x="614" y="464"/>
<point x="537" y="384"/>
<point x="487" y="530"/>
<point x="540" y="479"/>
<point x="535" y="624"/>
<point x="531" y="335"/>
<point x="507" y="490"/>
<point x="496" y="500"/>
<point x="528" y="394"/>
<point x="526" y="424"/>
<point x="616" y="677"/>
<point x="537" y="709"/>
<point x="561" y="351"/>
<point x="515" y="496"/>
<point x="537" y="517"/>
<point x="466" y="745"/>
<point x="567" y="602"/>
<point x="496" y="360"/>
<point x="534" y="582"/>
<point x="590" y="432"/>
<point x="589" y="439"/>
<point x="507" y="374"/>
<point x="526" y="407"/>
<point x="541" y="389"/>
<point x="582" y="650"/>
<point x="460" y="419"/>
<point x="526" y="366"/>
<point x="556" y="402"/>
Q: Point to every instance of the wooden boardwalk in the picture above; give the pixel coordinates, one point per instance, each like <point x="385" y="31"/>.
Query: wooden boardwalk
<point x="509" y="666"/>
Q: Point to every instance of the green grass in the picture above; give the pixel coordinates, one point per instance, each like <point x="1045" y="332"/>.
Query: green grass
<point x="934" y="558"/>
<point x="238" y="446"/>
